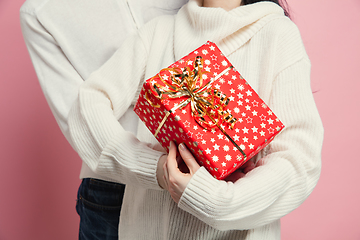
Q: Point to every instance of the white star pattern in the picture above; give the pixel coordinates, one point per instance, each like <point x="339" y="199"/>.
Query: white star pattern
<point x="199" y="136"/>
<point x="187" y="124"/>
<point x="245" y="130"/>
<point x="253" y="117"/>
<point x="271" y="130"/>
<point x="262" y="117"/>
<point x="249" y="120"/>
<point x="236" y="137"/>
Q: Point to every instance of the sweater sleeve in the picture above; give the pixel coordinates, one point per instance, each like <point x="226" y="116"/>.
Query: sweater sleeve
<point x="283" y="179"/>
<point x="100" y="140"/>
<point x="57" y="77"/>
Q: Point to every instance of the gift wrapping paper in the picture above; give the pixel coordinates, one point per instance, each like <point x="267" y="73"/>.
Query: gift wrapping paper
<point x="203" y="101"/>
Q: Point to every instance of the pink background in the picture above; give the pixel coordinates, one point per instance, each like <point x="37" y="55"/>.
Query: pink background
<point x="39" y="170"/>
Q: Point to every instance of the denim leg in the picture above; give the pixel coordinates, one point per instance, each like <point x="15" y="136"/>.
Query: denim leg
<point x="98" y="205"/>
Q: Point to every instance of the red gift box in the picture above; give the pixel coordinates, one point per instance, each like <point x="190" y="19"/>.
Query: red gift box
<point x="204" y="102"/>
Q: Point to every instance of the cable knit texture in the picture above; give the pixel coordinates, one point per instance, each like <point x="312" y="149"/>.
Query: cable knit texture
<point x="266" y="47"/>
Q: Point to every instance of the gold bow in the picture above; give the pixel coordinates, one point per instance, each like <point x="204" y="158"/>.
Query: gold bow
<point x="207" y="103"/>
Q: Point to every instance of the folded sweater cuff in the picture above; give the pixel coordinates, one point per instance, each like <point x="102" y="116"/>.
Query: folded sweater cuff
<point x="142" y="164"/>
<point x="195" y="199"/>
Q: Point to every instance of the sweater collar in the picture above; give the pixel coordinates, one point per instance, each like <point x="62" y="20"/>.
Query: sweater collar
<point x="228" y="29"/>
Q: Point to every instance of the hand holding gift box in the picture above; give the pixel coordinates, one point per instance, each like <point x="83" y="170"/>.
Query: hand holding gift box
<point x="203" y="101"/>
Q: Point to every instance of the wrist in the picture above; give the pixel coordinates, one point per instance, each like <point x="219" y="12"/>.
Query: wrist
<point x="160" y="171"/>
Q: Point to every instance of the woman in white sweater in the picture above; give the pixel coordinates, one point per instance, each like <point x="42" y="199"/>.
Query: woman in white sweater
<point x="266" y="48"/>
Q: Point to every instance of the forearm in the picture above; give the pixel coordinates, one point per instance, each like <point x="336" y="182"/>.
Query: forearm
<point x="100" y="140"/>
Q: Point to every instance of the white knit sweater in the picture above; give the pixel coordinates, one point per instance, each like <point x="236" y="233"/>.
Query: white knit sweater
<point x="67" y="40"/>
<point x="266" y="48"/>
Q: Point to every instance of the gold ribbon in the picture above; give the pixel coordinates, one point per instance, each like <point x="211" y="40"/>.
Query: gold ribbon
<point x="205" y="100"/>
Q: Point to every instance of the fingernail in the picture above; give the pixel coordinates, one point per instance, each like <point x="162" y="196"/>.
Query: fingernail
<point x="182" y="147"/>
<point x="170" y="144"/>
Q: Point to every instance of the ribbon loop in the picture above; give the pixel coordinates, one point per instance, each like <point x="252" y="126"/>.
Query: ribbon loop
<point x="208" y="104"/>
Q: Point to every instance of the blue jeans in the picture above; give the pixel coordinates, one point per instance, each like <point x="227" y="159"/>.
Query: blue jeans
<point x="98" y="205"/>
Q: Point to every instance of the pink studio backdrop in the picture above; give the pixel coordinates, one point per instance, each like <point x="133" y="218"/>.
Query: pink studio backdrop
<point x="39" y="170"/>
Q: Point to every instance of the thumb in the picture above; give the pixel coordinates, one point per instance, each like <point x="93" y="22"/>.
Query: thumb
<point x="188" y="158"/>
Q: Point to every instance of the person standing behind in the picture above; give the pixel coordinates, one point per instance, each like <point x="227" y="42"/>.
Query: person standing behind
<point x="67" y="40"/>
